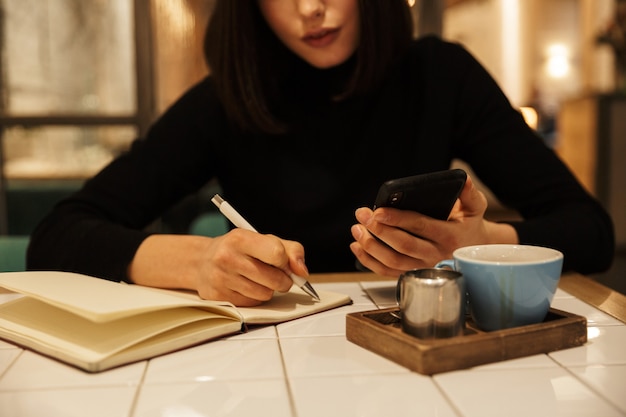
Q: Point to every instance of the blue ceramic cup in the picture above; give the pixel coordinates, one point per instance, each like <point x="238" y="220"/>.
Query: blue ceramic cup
<point x="508" y="285"/>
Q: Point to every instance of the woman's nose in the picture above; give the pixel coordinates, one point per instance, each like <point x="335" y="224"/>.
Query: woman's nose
<point x="311" y="8"/>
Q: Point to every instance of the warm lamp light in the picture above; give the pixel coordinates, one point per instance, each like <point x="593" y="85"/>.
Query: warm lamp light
<point x="530" y="116"/>
<point x="558" y="65"/>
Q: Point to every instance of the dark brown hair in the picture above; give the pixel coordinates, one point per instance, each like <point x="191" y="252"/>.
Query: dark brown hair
<point x="249" y="63"/>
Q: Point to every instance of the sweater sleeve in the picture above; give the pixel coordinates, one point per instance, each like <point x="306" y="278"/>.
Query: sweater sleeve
<point x="97" y="230"/>
<point x="527" y="175"/>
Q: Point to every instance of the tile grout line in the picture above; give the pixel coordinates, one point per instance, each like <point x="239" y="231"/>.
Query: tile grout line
<point x="135" y="402"/>
<point x="587" y="385"/>
<point x="448" y="399"/>
<point x="286" y="380"/>
<point x="592" y="388"/>
<point x="6" y="370"/>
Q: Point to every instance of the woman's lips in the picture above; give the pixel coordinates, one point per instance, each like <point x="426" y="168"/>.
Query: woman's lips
<point x="321" y="38"/>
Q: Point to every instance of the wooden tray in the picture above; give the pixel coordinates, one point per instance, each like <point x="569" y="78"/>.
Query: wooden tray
<point x="381" y="332"/>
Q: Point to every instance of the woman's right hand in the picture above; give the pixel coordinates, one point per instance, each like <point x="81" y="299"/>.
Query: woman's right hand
<point x="242" y="267"/>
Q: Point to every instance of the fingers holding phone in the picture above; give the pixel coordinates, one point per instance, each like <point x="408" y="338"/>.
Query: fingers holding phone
<point x="390" y="241"/>
<point x="400" y="236"/>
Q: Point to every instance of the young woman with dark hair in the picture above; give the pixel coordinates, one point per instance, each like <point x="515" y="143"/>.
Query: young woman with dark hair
<point x="256" y="70"/>
<point x="309" y="107"/>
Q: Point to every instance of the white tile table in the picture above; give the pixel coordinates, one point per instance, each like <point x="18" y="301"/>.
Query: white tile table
<point x="307" y="368"/>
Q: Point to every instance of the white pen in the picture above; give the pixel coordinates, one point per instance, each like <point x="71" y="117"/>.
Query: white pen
<point x="238" y="220"/>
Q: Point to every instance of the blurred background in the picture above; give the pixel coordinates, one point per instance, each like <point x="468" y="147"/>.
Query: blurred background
<point x="81" y="79"/>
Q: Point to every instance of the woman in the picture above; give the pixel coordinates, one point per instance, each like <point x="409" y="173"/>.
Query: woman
<point x="310" y="106"/>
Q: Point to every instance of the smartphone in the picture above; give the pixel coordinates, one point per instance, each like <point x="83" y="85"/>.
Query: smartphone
<point x="432" y="194"/>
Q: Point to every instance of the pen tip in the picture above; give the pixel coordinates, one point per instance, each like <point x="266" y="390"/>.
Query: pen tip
<point x="308" y="288"/>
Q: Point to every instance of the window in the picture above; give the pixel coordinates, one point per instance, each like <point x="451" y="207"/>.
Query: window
<point x="80" y="80"/>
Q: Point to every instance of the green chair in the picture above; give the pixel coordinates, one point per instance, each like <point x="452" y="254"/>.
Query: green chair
<point x="212" y="224"/>
<point x="13" y="253"/>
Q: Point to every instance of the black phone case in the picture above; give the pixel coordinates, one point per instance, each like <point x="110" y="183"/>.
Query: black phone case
<point x="432" y="194"/>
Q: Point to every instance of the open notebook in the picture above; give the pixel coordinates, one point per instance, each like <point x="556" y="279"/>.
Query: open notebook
<point x="96" y="324"/>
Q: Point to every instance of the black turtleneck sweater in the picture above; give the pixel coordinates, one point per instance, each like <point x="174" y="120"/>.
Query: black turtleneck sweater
<point x="436" y="105"/>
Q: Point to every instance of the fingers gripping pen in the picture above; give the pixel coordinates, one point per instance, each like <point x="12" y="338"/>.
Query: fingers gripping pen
<point x="238" y="220"/>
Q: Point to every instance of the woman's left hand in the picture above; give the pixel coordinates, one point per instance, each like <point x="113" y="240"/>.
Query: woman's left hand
<point x="413" y="240"/>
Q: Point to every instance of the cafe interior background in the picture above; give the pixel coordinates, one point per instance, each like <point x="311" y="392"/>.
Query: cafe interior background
<point x="79" y="80"/>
